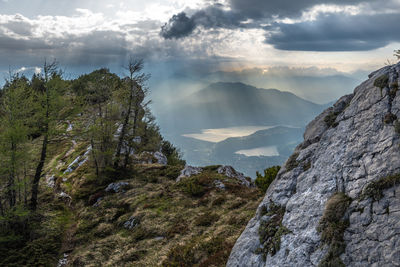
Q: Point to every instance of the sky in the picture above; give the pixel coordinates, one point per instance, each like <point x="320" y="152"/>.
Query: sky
<point x="200" y="36"/>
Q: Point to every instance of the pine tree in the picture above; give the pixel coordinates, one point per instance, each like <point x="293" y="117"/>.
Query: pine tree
<point x="16" y="105"/>
<point x="50" y="113"/>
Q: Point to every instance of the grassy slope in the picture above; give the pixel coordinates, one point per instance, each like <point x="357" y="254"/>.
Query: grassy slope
<point x="190" y="223"/>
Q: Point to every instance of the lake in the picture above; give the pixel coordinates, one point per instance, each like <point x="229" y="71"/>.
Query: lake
<point x="268" y="151"/>
<point x="220" y="134"/>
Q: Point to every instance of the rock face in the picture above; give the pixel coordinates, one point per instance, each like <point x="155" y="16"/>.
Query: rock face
<point x="345" y="149"/>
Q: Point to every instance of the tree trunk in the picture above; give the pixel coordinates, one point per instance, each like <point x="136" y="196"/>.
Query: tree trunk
<point x="96" y="164"/>
<point x="11" y="193"/>
<point x="1" y="207"/>
<point x="123" y="131"/>
<point x="38" y="173"/>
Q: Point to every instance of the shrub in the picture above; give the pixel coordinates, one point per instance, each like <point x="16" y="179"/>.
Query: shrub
<point x="193" y="188"/>
<point x="375" y="189"/>
<point x="330" y="119"/>
<point x="381" y="82"/>
<point x="174" y="155"/>
<point x="389" y="118"/>
<point x="332" y="226"/>
<point x="394" y="87"/>
<point x="263" y="182"/>
<point x="271" y="230"/>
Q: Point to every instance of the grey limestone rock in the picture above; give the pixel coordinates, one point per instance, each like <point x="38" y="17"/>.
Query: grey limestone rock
<point x="117" y="187"/>
<point x="189" y="171"/>
<point x="357" y="148"/>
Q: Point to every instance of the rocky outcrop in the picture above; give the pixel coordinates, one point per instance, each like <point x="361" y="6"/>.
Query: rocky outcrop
<point x="349" y="148"/>
<point x="230" y="172"/>
<point x="189" y="171"/>
<point x="117" y="187"/>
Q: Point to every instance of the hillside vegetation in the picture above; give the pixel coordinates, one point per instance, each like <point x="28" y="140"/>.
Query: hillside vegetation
<point x="86" y="179"/>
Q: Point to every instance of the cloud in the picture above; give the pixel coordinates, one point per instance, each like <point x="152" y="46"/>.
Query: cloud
<point x="306" y="25"/>
<point x="337" y="32"/>
<point x="178" y="26"/>
<point x="258" y="9"/>
<point x="214" y="16"/>
<point x="241" y="14"/>
<point x="85" y="38"/>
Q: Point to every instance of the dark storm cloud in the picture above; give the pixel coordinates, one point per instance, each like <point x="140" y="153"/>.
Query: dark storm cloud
<point x="337" y="32"/>
<point x="257" y="9"/>
<point x="178" y="26"/>
<point x="181" y="25"/>
<point x="214" y="16"/>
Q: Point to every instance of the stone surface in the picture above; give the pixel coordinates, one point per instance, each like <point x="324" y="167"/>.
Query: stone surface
<point x="230" y="172"/>
<point x="189" y="171"/>
<point x="161" y="159"/>
<point x="359" y="150"/>
<point x="117" y="187"/>
<point x="51" y="181"/>
<point x="132" y="222"/>
<point x="79" y="161"/>
<point x="220" y="185"/>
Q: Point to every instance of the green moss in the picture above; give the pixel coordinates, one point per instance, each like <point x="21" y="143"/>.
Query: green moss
<point x="375" y="189"/>
<point x="271" y="230"/>
<point x="330" y="119"/>
<point x="332" y="226"/>
<point x="292" y="162"/>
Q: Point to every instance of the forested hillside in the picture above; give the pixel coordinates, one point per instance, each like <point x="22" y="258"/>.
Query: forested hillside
<point x="86" y="179"/>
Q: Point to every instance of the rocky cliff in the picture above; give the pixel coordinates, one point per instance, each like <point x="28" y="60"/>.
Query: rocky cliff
<point x="336" y="201"/>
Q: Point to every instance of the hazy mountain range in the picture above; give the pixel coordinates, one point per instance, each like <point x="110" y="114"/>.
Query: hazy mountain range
<point x="223" y="105"/>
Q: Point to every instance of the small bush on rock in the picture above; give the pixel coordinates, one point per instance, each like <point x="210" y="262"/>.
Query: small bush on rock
<point x="271" y="230"/>
<point x="382" y="82"/>
<point x="389" y="118"/>
<point x="330" y="119"/>
<point x="263" y="182"/>
<point x="375" y="189"/>
<point x="332" y="227"/>
<point x="292" y="162"/>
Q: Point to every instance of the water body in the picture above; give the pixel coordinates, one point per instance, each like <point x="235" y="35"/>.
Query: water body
<point x="220" y="134"/>
<point x="268" y="151"/>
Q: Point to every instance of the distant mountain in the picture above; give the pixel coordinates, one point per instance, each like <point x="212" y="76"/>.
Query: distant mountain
<point x="235" y="104"/>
